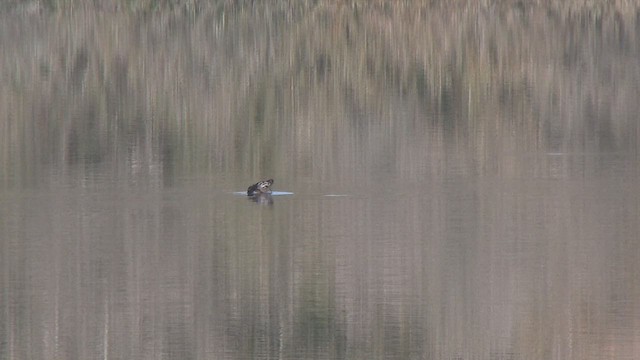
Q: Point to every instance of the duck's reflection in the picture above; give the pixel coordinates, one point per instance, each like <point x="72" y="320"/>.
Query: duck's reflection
<point x="262" y="199"/>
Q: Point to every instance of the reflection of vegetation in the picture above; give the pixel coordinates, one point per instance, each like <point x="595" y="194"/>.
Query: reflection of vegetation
<point x="236" y="86"/>
<point x="315" y="317"/>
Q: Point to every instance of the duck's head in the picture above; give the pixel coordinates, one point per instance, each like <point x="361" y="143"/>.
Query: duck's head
<point x="265" y="186"/>
<point x="261" y="187"/>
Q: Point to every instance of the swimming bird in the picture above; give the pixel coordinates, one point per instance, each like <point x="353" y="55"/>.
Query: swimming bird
<point x="261" y="187"/>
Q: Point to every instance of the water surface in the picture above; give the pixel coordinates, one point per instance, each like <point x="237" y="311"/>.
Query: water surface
<point x="462" y="183"/>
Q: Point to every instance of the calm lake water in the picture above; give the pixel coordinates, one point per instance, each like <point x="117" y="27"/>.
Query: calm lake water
<point x="465" y="179"/>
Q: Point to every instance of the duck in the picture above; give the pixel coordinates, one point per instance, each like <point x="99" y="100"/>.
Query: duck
<point x="261" y="187"/>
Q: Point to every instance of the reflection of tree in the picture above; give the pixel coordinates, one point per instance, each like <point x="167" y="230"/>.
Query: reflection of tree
<point x="280" y="87"/>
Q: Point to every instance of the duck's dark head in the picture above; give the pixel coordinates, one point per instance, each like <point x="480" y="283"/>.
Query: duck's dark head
<point x="261" y="187"/>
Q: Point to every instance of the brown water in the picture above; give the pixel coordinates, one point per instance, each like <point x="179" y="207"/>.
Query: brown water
<point x="466" y="183"/>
